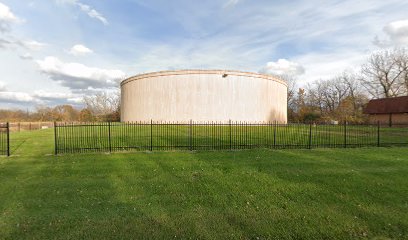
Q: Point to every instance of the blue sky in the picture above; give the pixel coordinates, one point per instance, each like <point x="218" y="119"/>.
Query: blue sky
<point x="56" y="51"/>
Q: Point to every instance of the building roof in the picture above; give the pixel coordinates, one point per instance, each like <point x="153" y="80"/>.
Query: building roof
<point x="387" y="105"/>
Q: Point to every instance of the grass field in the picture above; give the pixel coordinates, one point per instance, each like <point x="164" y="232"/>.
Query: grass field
<point x="251" y="194"/>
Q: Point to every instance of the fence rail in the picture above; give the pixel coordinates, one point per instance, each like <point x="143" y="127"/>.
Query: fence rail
<point x="142" y="136"/>
<point x="5" y="139"/>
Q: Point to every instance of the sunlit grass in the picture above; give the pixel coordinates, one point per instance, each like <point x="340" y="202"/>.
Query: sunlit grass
<point x="250" y="194"/>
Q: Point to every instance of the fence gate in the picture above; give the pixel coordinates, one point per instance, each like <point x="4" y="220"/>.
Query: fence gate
<point x="5" y="139"/>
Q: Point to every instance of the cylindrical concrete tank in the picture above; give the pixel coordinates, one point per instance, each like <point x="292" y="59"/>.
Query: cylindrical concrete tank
<point x="203" y="95"/>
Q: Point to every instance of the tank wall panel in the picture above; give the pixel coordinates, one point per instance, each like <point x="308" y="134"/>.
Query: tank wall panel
<point x="204" y="97"/>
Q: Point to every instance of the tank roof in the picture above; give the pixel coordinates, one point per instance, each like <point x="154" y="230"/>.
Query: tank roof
<point x="196" y="71"/>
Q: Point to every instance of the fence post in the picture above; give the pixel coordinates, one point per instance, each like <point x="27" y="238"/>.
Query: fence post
<point x="151" y="135"/>
<point x="378" y="134"/>
<point x="345" y="134"/>
<point x="191" y="135"/>
<point x="310" y="136"/>
<point x="55" y="139"/>
<point x="109" y="136"/>
<point x="230" y="134"/>
<point x="8" y="139"/>
<point x="274" y="134"/>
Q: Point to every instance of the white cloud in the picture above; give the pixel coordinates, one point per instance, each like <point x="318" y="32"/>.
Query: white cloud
<point x="88" y="10"/>
<point x="38" y="97"/>
<point x="2" y="87"/>
<point x="16" y="97"/>
<point x="31" y="45"/>
<point x="231" y="3"/>
<point x="80" y="50"/>
<point x="6" y="14"/>
<point x="282" y="67"/>
<point x="76" y="100"/>
<point x="397" y="31"/>
<point x="7" y="17"/>
<point x="93" y="13"/>
<point x="381" y="42"/>
<point x="49" y="95"/>
<point x="12" y="42"/>
<point x="77" y="76"/>
<point x="5" y="43"/>
<point x="26" y="56"/>
<point x="327" y="65"/>
<point x="9" y="96"/>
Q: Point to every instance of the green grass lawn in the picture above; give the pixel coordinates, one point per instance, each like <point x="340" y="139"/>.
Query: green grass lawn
<point x="249" y="194"/>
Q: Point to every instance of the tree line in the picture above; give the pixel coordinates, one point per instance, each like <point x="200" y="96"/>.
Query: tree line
<point x="343" y="97"/>
<point x="99" y="107"/>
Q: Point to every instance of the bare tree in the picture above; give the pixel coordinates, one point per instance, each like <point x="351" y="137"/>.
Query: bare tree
<point x="291" y="82"/>
<point x="327" y="95"/>
<point x="315" y="96"/>
<point x="335" y="91"/>
<point x="382" y="74"/>
<point x="339" y="98"/>
<point x="402" y="62"/>
<point x="354" y="88"/>
<point x="105" y="106"/>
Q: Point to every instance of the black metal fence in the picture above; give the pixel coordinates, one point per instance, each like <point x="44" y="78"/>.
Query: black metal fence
<point x="4" y="139"/>
<point x="109" y="137"/>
